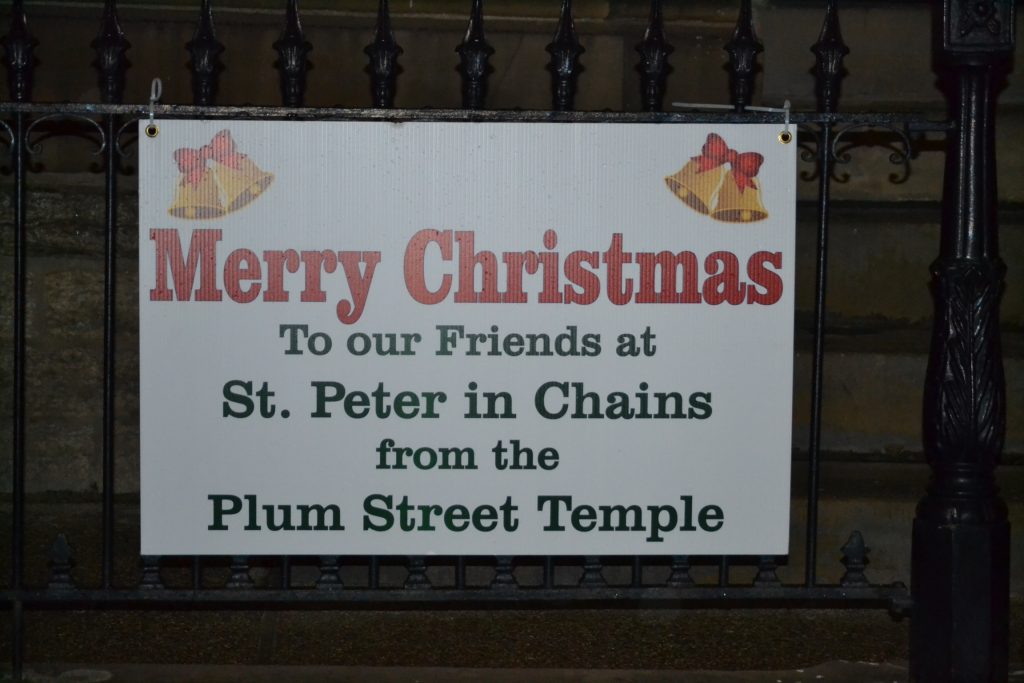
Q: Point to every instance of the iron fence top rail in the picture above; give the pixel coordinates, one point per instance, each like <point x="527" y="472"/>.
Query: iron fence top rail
<point x="895" y="596"/>
<point x="909" y="121"/>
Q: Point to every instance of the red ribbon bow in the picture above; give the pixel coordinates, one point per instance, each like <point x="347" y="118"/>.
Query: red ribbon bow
<point x="744" y="166"/>
<point x="221" y="149"/>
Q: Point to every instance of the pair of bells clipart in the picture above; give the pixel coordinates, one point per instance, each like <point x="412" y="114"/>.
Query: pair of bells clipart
<point x="731" y="195"/>
<point x="216" y="179"/>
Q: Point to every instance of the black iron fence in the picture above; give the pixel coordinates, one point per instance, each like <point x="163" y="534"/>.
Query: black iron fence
<point x="960" y="569"/>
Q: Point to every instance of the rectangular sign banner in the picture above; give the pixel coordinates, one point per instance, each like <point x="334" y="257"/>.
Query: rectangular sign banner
<point x="420" y="338"/>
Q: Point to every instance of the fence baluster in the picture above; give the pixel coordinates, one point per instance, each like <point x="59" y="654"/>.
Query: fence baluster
<point x="62" y="561"/>
<point x="205" y="51"/>
<point x="766" y="575"/>
<point x="565" y="66"/>
<point x="654" y="51"/>
<point x="150" y="573"/>
<point x="240" y="577"/>
<point x="723" y="570"/>
<point x="855" y="559"/>
<point x="504" y="573"/>
<point x="474" y="53"/>
<point x="417" y="577"/>
<point x="679" y="577"/>
<point x="330" y="574"/>
<point x="293" y="50"/>
<point x="743" y="49"/>
<point x="829" y="52"/>
<point x="383" y="53"/>
<point x="111" y="46"/>
<point x="19" y="45"/>
<point x="593" y="572"/>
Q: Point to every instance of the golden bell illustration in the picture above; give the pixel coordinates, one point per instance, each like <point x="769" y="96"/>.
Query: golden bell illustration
<point x="197" y="196"/>
<point x="739" y="201"/>
<point x="696" y="187"/>
<point x="241" y="181"/>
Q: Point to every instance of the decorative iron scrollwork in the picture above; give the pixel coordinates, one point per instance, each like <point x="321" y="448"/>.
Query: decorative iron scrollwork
<point x="10" y="134"/>
<point x="965" y="394"/>
<point x="979" y="14"/>
<point x="37" y="147"/>
<point x="900" y="156"/>
<point x="132" y="125"/>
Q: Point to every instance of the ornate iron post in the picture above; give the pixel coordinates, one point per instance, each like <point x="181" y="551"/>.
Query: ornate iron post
<point x="961" y="554"/>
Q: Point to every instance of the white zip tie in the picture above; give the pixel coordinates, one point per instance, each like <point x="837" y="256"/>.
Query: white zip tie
<point x="156" y="89"/>
<point x="784" y="137"/>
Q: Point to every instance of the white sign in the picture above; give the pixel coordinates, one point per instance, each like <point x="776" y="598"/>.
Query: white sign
<point x="465" y="338"/>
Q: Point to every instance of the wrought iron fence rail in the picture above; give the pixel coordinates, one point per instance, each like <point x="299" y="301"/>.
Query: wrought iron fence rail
<point x="910" y="122"/>
<point x="893" y="597"/>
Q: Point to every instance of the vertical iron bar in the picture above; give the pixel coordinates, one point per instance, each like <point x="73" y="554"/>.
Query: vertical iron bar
<point x="549" y="571"/>
<point x="654" y="51"/>
<point x="565" y="66"/>
<point x="383" y="53"/>
<point x="829" y="52"/>
<point x="197" y="572"/>
<point x="474" y="53"/>
<point x="960" y="559"/>
<point x="110" y="47"/>
<point x="19" y="60"/>
<point x="460" y="572"/>
<point x="293" y="50"/>
<point x="723" y="571"/>
<point x="374" y="571"/>
<point x="637" y="577"/>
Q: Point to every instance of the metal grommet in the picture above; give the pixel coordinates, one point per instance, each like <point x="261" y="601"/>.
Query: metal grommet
<point x="152" y="130"/>
<point x="785" y="137"/>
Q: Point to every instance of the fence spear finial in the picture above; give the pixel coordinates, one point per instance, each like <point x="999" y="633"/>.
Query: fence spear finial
<point x="743" y="49"/>
<point x="293" y="49"/>
<point x="829" y="50"/>
<point x="205" y="50"/>
<point x="383" y="53"/>
<point x="654" y="51"/>
<point x="474" y="53"/>
<point x="18" y="55"/>
<point x="565" y="52"/>
<point x="111" y="46"/>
